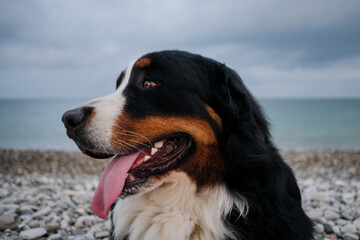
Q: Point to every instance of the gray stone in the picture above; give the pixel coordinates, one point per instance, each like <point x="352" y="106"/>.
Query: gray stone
<point x="8" y="221"/>
<point x="64" y="224"/>
<point x="34" y="223"/>
<point x="42" y="212"/>
<point x="350" y="236"/>
<point x="86" y="220"/>
<point x="78" y="231"/>
<point x="328" y="229"/>
<point x="336" y="230"/>
<point x="348" y="197"/>
<point x="357" y="224"/>
<point x="319" y="228"/>
<point x="342" y="222"/>
<point x="319" y="196"/>
<point x="56" y="236"/>
<point x="347" y="215"/>
<point x="10" y="200"/>
<point x="3" y="192"/>
<point x="315" y="214"/>
<point x="52" y="226"/>
<point x="9" y="212"/>
<point x="348" y="228"/>
<point x="330" y="215"/>
<point x="102" y="234"/>
<point x="26" y="211"/>
<point x="33" y="233"/>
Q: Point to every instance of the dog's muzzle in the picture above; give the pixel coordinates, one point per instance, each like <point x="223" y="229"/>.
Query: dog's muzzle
<point x="75" y="119"/>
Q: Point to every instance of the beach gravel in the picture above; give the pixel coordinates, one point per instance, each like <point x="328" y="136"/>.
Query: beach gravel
<point x="47" y="194"/>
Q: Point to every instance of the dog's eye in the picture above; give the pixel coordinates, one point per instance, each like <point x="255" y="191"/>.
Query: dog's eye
<point x="149" y="84"/>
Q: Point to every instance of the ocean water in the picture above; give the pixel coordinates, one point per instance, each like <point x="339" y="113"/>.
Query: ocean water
<point x="298" y="124"/>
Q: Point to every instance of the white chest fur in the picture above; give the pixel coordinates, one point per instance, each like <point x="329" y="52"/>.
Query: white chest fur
<point x="176" y="211"/>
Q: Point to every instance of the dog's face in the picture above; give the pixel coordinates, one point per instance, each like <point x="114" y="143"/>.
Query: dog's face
<point x="164" y="117"/>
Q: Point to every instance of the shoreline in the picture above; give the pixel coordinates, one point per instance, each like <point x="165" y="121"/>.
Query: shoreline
<point x="50" y="192"/>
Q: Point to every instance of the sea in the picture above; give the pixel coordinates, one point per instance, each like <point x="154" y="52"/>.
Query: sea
<point x="296" y="124"/>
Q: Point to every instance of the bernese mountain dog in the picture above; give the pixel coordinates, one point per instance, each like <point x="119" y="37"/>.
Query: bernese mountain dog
<point x="193" y="159"/>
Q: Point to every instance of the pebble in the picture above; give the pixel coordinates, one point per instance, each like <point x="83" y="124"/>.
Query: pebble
<point x="315" y="214"/>
<point x="42" y="212"/>
<point x="319" y="228"/>
<point x="85" y="221"/>
<point x="357" y="224"/>
<point x="328" y="229"/>
<point x="102" y="234"/>
<point x="8" y="222"/>
<point x="33" y="233"/>
<point x="52" y="226"/>
<point x="350" y="236"/>
<point x="347" y="215"/>
<point x="56" y="236"/>
<point x="330" y="215"/>
<point x="348" y="228"/>
<point x="64" y="224"/>
<point x="342" y="222"/>
<point x="337" y="230"/>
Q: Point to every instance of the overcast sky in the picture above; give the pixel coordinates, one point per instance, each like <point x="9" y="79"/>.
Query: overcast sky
<point x="76" y="49"/>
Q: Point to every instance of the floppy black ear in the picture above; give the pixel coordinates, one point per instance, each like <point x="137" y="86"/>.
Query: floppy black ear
<point x="246" y="142"/>
<point x="242" y="115"/>
<point x="253" y="167"/>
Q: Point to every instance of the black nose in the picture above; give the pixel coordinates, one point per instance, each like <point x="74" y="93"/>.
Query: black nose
<point x="75" y="117"/>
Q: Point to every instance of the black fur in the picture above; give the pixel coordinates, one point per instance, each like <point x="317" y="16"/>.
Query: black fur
<point x="254" y="168"/>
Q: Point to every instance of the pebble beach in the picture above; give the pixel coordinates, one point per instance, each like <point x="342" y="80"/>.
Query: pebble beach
<point x="47" y="194"/>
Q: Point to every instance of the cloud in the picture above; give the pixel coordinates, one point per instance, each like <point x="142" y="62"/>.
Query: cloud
<point x="72" y="44"/>
<point x="340" y="79"/>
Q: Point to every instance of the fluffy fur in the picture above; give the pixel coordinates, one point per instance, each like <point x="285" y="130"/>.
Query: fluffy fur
<point x="176" y="211"/>
<point x="233" y="184"/>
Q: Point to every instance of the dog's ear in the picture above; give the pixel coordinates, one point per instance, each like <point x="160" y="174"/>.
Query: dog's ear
<point x="245" y="141"/>
<point x="253" y="167"/>
<point x="242" y="115"/>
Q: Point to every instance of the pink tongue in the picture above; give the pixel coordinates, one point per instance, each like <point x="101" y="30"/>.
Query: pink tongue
<point x="111" y="184"/>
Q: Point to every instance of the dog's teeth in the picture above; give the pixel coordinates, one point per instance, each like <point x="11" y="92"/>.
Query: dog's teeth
<point x="154" y="150"/>
<point x="159" y="144"/>
<point x="133" y="188"/>
<point x="146" y="158"/>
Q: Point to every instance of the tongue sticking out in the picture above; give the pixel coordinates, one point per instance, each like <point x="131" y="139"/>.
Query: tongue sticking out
<point x="111" y="184"/>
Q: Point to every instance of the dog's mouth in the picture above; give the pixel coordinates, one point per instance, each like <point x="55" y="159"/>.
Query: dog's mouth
<point x="126" y="174"/>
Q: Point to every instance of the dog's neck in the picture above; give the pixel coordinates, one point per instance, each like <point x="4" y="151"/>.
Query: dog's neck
<point x="176" y="210"/>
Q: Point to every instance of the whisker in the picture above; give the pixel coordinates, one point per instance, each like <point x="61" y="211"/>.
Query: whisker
<point x="143" y="144"/>
<point x="135" y="133"/>
<point x="130" y="145"/>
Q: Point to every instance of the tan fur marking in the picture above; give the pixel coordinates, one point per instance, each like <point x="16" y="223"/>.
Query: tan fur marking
<point x="143" y="62"/>
<point x="205" y="165"/>
<point x="214" y="115"/>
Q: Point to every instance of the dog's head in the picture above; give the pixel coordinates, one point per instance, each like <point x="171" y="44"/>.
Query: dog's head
<point x="171" y="111"/>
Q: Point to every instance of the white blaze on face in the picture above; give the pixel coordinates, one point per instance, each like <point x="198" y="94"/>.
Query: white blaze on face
<point x="107" y="109"/>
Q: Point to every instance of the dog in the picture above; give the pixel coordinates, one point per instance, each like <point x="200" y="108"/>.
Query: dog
<point x="193" y="156"/>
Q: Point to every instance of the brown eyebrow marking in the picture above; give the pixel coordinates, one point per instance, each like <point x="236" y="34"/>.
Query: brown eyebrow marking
<point x="143" y="62"/>
<point x="214" y="115"/>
